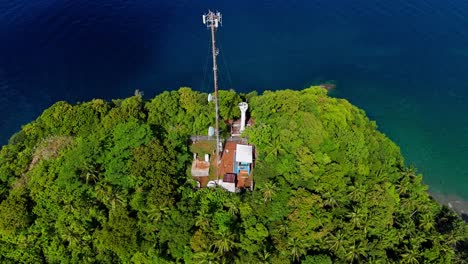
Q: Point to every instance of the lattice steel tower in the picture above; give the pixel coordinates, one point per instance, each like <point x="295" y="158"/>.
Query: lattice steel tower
<point x="212" y="20"/>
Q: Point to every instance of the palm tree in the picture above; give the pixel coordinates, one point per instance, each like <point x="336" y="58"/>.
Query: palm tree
<point x="71" y="236"/>
<point x="204" y="258"/>
<point x="264" y="256"/>
<point x="117" y="197"/>
<point x="377" y="260"/>
<point x="400" y="236"/>
<point x="354" y="253"/>
<point x="445" y="248"/>
<point x="409" y="172"/>
<point x="409" y="204"/>
<point x="357" y="193"/>
<point x="155" y="214"/>
<point x="296" y="248"/>
<point x="224" y="241"/>
<point x="330" y="200"/>
<point x="410" y="256"/>
<point x="426" y="222"/>
<point x="233" y="208"/>
<point x="408" y="227"/>
<point x="102" y="192"/>
<point x="320" y="218"/>
<point x="357" y="217"/>
<point x="275" y="148"/>
<point x="403" y="186"/>
<point x="336" y="242"/>
<point x="202" y="220"/>
<point x="268" y="191"/>
<point x="283" y="228"/>
<point x="89" y="173"/>
<point x="417" y="239"/>
<point x="453" y="237"/>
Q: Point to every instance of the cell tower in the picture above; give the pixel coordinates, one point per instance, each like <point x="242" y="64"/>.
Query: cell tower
<point x="212" y="20"/>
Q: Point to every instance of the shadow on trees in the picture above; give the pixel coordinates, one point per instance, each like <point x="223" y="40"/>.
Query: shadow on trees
<point x="464" y="217"/>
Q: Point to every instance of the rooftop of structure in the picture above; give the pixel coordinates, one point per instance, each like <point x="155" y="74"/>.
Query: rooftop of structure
<point x="244" y="153"/>
<point x="200" y="168"/>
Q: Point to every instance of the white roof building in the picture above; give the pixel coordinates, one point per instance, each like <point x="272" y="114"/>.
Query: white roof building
<point x="244" y="153"/>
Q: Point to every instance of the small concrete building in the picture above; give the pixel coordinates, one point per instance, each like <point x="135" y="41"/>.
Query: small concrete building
<point x="243" y="162"/>
<point x="200" y="170"/>
<point x="236" y="167"/>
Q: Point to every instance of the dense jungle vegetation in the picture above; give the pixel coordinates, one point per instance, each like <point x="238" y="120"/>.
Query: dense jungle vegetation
<point x="108" y="182"/>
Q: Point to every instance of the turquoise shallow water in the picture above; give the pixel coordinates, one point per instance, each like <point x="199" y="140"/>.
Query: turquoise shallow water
<point x="404" y="63"/>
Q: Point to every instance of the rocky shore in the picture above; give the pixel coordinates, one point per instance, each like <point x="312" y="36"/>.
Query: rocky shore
<point x="454" y="202"/>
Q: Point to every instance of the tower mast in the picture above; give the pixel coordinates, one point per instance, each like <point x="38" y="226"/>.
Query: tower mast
<point x="212" y="20"/>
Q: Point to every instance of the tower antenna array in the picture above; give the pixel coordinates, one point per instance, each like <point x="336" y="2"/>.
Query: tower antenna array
<point x="212" y="20"/>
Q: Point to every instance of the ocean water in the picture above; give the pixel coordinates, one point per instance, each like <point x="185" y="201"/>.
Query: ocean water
<point x="404" y="62"/>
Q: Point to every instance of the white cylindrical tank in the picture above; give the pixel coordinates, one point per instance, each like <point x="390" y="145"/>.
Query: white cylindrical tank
<point x="243" y="108"/>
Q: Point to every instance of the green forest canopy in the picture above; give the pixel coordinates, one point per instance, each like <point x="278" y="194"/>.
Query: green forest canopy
<point x="109" y="182"/>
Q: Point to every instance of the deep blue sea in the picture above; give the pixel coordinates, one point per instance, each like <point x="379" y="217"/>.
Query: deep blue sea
<point x="404" y="62"/>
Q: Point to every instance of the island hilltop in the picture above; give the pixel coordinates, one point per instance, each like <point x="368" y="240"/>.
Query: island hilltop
<point x="111" y="182"/>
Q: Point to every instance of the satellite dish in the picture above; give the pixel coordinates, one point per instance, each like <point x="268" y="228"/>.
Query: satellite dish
<point x="211" y="131"/>
<point x="211" y="184"/>
<point x="210" y="98"/>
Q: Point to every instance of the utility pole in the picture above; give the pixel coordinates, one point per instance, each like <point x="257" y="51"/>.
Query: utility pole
<point x="212" y="20"/>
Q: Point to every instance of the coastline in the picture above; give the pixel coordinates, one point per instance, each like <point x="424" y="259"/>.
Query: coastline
<point x="457" y="204"/>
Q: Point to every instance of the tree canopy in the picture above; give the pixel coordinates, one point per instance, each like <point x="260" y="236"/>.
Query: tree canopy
<point x="109" y="182"/>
